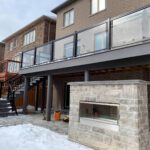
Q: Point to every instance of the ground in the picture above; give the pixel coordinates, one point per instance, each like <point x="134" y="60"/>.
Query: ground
<point x="29" y="137"/>
<point x="35" y="119"/>
<point x="33" y="133"/>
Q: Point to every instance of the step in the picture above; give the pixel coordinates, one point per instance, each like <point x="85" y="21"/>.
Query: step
<point x="4" y="102"/>
<point x="5" y="109"/>
<point x="4" y="105"/>
<point x="6" y="114"/>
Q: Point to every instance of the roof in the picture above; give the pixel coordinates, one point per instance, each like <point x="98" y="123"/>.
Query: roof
<point x="63" y="5"/>
<point x="35" y="22"/>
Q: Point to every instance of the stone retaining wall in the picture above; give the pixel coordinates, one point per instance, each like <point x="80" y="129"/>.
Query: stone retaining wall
<point x="133" y="127"/>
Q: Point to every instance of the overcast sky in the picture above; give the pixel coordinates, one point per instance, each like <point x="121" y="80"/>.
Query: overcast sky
<point x="15" y="14"/>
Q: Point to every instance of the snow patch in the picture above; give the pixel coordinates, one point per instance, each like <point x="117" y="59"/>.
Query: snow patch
<point x="29" y="137"/>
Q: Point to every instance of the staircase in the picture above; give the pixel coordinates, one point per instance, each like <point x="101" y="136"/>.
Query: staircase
<point x="15" y="89"/>
<point x="20" y="89"/>
<point x="6" y="108"/>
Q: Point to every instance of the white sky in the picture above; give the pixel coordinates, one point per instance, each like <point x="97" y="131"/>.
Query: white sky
<point x="15" y="14"/>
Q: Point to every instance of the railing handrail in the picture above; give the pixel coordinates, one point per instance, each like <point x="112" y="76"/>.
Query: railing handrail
<point x="13" y="78"/>
<point x="8" y="60"/>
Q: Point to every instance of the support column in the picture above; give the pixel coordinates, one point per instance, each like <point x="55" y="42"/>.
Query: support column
<point x="49" y="98"/>
<point x="86" y="76"/>
<point x="25" y="97"/>
<point x="36" y="97"/>
<point x="43" y="94"/>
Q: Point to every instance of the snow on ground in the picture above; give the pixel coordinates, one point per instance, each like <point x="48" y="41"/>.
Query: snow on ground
<point x="29" y="137"/>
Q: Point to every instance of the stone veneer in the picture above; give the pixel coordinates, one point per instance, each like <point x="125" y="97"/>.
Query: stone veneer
<point x="133" y="125"/>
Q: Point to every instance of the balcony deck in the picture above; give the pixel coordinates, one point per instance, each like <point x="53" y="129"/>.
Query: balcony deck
<point x="120" y="41"/>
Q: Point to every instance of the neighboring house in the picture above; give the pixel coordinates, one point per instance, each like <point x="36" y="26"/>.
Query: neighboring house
<point x="40" y="31"/>
<point x="96" y="40"/>
<point x="2" y="50"/>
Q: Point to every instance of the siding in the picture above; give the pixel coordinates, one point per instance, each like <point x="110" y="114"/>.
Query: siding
<point x="84" y="19"/>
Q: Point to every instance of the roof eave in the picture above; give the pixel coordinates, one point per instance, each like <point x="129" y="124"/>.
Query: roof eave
<point x="61" y="6"/>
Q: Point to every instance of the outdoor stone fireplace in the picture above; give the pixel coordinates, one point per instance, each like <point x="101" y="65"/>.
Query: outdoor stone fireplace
<point x="111" y="115"/>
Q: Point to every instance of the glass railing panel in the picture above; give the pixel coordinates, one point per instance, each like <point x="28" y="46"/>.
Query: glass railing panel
<point x="63" y="49"/>
<point x="28" y="59"/>
<point x="92" y="40"/>
<point x="131" y="28"/>
<point x="43" y="54"/>
<point x="146" y="23"/>
<point x="13" y="67"/>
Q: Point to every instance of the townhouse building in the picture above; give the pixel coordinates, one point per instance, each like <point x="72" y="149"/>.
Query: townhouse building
<point x="96" y="40"/>
<point x="38" y="32"/>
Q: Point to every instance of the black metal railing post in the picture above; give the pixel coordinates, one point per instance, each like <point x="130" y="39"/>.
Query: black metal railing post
<point x="109" y="34"/>
<point x="52" y="51"/>
<point x="34" y="63"/>
<point x="21" y="64"/>
<point x="75" y="44"/>
<point x="1" y="88"/>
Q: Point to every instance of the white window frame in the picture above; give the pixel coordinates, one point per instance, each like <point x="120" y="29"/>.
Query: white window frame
<point x="11" y="46"/>
<point x="29" y="37"/>
<point x="70" y="20"/>
<point x="99" y="9"/>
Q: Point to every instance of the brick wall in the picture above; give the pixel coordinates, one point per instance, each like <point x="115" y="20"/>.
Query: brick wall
<point x="133" y="129"/>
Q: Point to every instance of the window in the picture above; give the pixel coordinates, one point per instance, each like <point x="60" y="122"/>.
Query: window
<point x="11" y="46"/>
<point x="97" y="5"/>
<point x="15" y="43"/>
<point x="69" y="18"/>
<point x="68" y="50"/>
<point x="29" y="37"/>
<point x="100" y="41"/>
<point x="107" y="113"/>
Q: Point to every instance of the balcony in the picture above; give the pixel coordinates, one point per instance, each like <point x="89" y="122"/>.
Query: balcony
<point x="129" y="33"/>
<point x="8" y="68"/>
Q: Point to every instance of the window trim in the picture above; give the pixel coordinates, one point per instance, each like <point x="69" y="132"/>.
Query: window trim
<point x="11" y="46"/>
<point x="28" y="34"/>
<point x="64" y="21"/>
<point x="91" y="14"/>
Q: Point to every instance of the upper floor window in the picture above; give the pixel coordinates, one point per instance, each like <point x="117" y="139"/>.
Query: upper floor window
<point x="13" y="44"/>
<point x="98" y="5"/>
<point x="29" y="37"/>
<point x="69" y="18"/>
